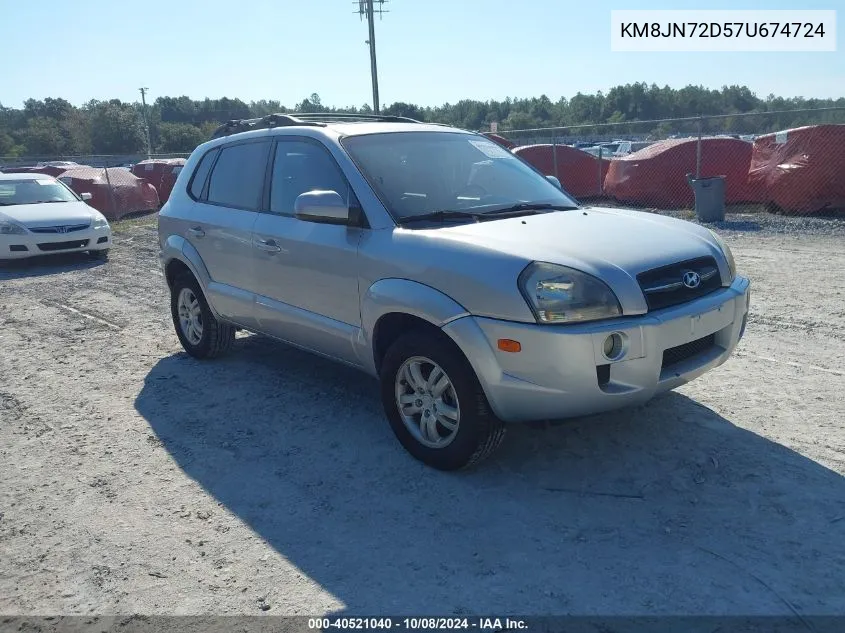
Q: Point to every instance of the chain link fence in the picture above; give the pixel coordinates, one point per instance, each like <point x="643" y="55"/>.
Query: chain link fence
<point x="120" y="185"/>
<point x="649" y="164"/>
<point x="791" y="161"/>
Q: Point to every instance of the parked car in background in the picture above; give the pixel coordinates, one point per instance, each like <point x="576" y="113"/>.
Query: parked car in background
<point x="40" y="215"/>
<point x="616" y="148"/>
<point x="476" y="289"/>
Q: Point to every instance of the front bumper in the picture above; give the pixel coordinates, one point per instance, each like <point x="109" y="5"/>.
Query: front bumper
<point x="34" y="244"/>
<point x="561" y="371"/>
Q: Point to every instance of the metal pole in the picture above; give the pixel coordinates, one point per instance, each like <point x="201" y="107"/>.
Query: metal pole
<point x="601" y="181"/>
<point x="146" y="121"/>
<point x="372" y="42"/>
<point x="698" y="150"/>
<point x="554" y="154"/>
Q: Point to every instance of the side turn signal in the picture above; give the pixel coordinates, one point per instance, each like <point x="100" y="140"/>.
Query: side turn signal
<point x="509" y="345"/>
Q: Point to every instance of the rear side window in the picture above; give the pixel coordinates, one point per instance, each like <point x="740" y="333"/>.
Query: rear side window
<point x="201" y="174"/>
<point x="238" y="176"/>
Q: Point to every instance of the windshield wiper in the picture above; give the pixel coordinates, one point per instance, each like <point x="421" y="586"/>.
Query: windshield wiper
<point x="523" y="207"/>
<point x="441" y="215"/>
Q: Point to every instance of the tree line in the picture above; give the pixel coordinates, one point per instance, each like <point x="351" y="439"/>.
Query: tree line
<point x="55" y="127"/>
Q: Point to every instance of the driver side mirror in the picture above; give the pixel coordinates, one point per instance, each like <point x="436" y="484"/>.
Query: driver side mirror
<point x="323" y="207"/>
<point x="554" y="181"/>
<point x="85" y="196"/>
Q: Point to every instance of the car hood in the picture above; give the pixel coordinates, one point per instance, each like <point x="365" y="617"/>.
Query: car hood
<point x="53" y="214"/>
<point x="597" y="240"/>
<point x="478" y="264"/>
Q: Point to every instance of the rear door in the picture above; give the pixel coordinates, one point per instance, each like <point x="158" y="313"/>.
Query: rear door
<point x="228" y="188"/>
<point x="307" y="273"/>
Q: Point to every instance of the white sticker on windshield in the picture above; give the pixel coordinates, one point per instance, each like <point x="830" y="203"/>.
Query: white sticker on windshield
<point x="491" y="150"/>
<point x="41" y="181"/>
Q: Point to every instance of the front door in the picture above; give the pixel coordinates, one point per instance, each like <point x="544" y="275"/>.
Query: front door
<point x="306" y="273"/>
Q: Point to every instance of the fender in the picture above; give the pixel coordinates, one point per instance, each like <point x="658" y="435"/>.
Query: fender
<point x="177" y="247"/>
<point x="408" y="297"/>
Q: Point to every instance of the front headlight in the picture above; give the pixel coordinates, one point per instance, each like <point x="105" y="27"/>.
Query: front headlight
<point x="99" y="221"/>
<point x="726" y="251"/>
<point x="7" y="227"/>
<point x="558" y="294"/>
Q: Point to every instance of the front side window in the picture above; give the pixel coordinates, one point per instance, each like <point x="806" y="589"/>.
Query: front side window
<point x="237" y="179"/>
<point x="300" y="167"/>
<point x="34" y="191"/>
<point x="416" y="173"/>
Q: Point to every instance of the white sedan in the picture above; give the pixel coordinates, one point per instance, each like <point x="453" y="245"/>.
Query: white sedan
<point x="40" y="215"/>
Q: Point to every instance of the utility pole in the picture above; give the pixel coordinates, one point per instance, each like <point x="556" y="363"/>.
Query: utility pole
<point x="143" y="92"/>
<point x="365" y="7"/>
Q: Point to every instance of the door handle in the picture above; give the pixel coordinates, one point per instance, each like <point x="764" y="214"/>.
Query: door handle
<point x="196" y="231"/>
<point x="268" y="245"/>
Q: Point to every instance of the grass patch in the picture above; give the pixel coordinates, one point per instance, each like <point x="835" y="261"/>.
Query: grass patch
<point x="130" y="223"/>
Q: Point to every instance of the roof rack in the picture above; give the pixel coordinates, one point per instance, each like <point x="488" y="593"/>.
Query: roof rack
<point x="312" y="119"/>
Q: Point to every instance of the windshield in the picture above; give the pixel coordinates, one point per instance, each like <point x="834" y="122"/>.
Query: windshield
<point x="34" y="191"/>
<point x="416" y="173"/>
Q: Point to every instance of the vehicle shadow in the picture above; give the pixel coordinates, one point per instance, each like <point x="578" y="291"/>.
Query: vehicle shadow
<point x="664" y="509"/>
<point x="46" y="265"/>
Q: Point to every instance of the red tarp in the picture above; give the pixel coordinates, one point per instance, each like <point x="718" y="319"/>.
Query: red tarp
<point x="501" y="140"/>
<point x="159" y="172"/>
<point x="130" y="194"/>
<point x="55" y="170"/>
<point x="655" y="176"/>
<point x="801" y="170"/>
<point x="580" y="173"/>
<point x="50" y="170"/>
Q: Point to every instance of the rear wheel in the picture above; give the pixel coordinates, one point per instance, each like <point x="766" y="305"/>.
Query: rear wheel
<point x="435" y="404"/>
<point x="200" y="333"/>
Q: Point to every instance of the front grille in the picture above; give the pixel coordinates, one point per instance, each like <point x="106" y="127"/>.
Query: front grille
<point x="664" y="287"/>
<point x="679" y="354"/>
<point x="60" y="229"/>
<point x="62" y="246"/>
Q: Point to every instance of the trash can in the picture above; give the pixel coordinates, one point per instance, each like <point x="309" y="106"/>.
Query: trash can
<point x="709" y="198"/>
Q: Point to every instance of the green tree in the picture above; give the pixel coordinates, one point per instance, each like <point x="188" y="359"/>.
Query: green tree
<point x="115" y="127"/>
<point x="179" y="137"/>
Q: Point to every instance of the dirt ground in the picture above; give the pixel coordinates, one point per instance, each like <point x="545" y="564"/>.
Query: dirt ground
<point x="134" y="479"/>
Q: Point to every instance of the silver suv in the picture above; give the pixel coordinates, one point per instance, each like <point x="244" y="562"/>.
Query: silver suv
<point x="474" y="288"/>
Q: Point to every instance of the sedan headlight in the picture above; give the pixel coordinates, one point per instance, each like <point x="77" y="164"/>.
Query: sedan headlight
<point x="726" y="251"/>
<point x="7" y="227"/>
<point x="99" y="221"/>
<point x="558" y="294"/>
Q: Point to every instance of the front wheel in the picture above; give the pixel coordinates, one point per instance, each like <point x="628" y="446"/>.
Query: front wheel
<point x="200" y="333"/>
<point x="435" y="404"/>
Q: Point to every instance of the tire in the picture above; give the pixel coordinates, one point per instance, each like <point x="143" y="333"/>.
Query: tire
<point x="479" y="433"/>
<point x="102" y="255"/>
<point x="215" y="338"/>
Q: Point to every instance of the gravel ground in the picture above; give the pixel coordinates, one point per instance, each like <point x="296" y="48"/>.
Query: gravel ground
<point x="134" y="479"/>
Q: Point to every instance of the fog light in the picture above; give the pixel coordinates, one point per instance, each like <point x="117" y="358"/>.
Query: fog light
<point x="614" y="346"/>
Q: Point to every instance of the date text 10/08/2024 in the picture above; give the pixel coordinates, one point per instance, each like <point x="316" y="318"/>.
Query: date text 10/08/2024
<point x="419" y="624"/>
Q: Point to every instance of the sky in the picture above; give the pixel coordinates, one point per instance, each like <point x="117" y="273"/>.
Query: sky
<point x="429" y="52"/>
